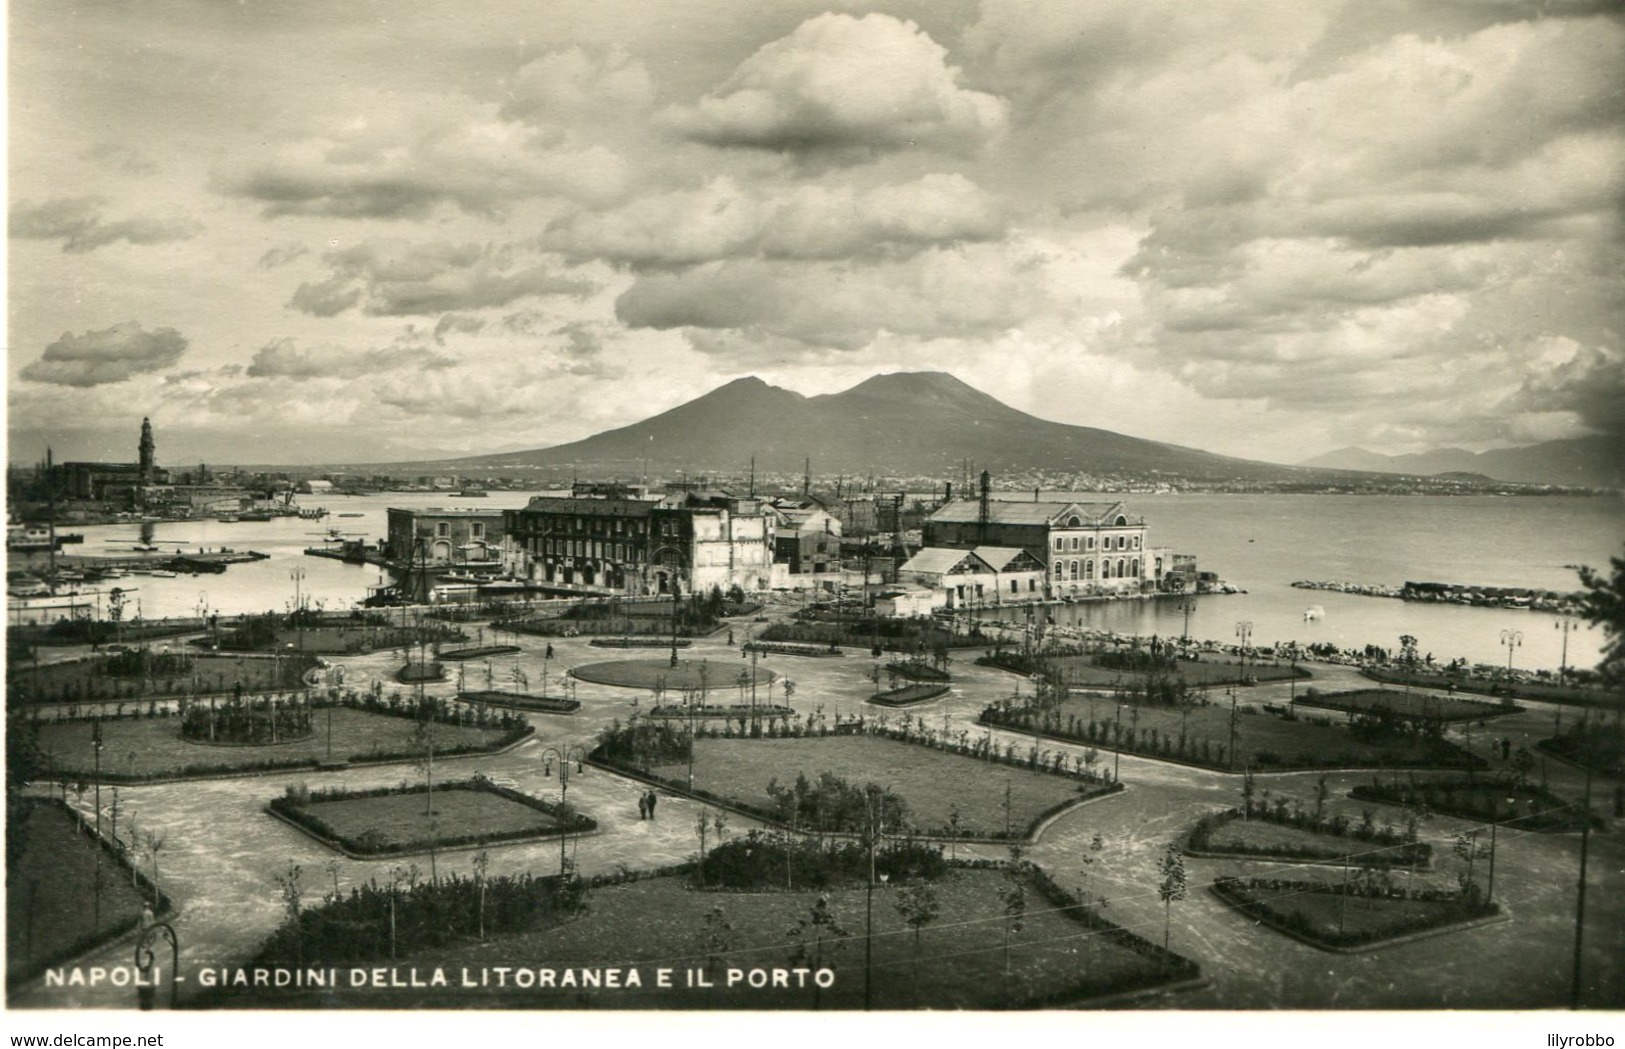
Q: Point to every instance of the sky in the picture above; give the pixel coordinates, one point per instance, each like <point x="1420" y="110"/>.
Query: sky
<point x="316" y="231"/>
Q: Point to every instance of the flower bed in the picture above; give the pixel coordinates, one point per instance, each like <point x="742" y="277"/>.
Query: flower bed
<point x="459" y="654"/>
<point x="412" y="673"/>
<point x="639" y="642"/>
<point x="917" y="670"/>
<point x="390" y="821"/>
<point x="1415" y="706"/>
<point x="1277" y="835"/>
<point x="1332" y="917"/>
<point x="1524" y="805"/>
<point x="790" y="648"/>
<point x="521" y="701"/>
<point x="909" y="695"/>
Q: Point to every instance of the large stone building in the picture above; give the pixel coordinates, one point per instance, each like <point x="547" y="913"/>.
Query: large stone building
<point x="1087" y="547"/>
<point x="439" y="536"/>
<point x="607" y="540"/>
<point x="113" y="482"/>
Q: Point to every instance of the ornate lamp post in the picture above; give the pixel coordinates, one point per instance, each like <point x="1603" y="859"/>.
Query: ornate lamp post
<point x="1512" y="639"/>
<point x="1244" y="630"/>
<point x="1567" y="626"/>
<point x="145" y="956"/>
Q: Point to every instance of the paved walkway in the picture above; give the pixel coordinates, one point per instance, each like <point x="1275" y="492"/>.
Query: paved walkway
<point x="223" y="851"/>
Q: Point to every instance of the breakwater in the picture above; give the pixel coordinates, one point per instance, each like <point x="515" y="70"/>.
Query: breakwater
<point x="1456" y="594"/>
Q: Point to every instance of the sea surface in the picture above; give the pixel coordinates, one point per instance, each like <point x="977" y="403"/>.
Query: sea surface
<point x="1258" y="543"/>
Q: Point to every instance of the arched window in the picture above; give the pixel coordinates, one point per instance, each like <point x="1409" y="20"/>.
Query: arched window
<point x="1074" y="522"/>
<point x="1121" y="521"/>
<point x="1106" y="568"/>
<point x="1134" y="568"/>
<point x="1089" y="569"/>
<point x="1136" y="542"/>
<point x="1074" y="566"/>
<point x="1060" y="572"/>
<point x="1120" y="567"/>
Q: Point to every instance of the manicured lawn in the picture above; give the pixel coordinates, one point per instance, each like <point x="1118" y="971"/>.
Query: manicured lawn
<point x="910" y="694"/>
<point x="1269" y="840"/>
<point x="958" y="961"/>
<point x="51" y="892"/>
<point x="1414" y="705"/>
<point x="79" y="680"/>
<point x="402" y="821"/>
<point x="1328" y="918"/>
<point x="1263" y="740"/>
<point x="932" y="782"/>
<point x="1080" y="672"/>
<point x="715" y="677"/>
<point x="138" y="747"/>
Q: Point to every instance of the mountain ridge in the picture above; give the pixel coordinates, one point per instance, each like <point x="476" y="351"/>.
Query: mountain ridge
<point x="1596" y="461"/>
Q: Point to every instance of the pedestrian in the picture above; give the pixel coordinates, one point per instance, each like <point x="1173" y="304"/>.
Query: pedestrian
<point x="549" y="654"/>
<point x="643" y="806"/>
<point x="652" y="799"/>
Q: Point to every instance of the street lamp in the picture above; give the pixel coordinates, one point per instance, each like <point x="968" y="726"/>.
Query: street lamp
<point x="1187" y="605"/>
<point x="1512" y="639"/>
<point x="1567" y="625"/>
<point x="1244" y="630"/>
<point x="145" y="956"/>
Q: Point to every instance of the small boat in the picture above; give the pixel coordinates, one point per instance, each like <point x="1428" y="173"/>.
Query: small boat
<point x="162" y="573"/>
<point x="352" y="515"/>
<point x="228" y="518"/>
<point x="146" y="548"/>
<point x="70" y="537"/>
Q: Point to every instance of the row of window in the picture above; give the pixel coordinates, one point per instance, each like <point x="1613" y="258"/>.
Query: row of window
<point x="1122" y="568"/>
<point x="1120" y="542"/>
<point x="442" y="529"/>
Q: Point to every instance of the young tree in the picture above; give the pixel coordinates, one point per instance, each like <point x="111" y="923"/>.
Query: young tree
<point x="919" y="906"/>
<point x="702" y="824"/>
<point x="716" y="937"/>
<point x="482" y="868"/>
<point x="1322" y="794"/>
<point x="1249" y="787"/>
<point x="1172" y="886"/>
<point x="809" y="933"/>
<point x="1014" y="898"/>
<point x="292" y="892"/>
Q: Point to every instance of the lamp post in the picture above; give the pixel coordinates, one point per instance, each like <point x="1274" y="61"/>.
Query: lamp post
<point x="96" y="745"/>
<point x="1567" y="626"/>
<point x="676" y="607"/>
<point x="1512" y="639"/>
<point x="1187" y="605"/>
<point x="1244" y="630"/>
<point x="145" y="956"/>
<point x="298" y="577"/>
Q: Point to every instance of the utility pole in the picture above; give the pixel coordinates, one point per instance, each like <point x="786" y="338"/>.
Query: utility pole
<point x="1580" y="899"/>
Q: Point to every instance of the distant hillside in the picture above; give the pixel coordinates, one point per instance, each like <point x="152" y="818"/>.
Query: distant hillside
<point x="1597" y="462"/>
<point x="915" y="423"/>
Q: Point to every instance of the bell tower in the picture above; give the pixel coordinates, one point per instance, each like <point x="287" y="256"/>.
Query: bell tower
<point x="148" y="450"/>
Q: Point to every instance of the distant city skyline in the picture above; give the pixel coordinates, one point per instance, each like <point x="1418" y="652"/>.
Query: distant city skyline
<point x="374" y="232"/>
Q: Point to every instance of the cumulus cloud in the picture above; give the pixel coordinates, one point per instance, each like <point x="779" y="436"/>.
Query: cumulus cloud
<point x="404" y="161"/>
<point x="78" y="222"/>
<point x="457" y="323"/>
<point x="727" y="219"/>
<point x="1586" y="380"/>
<point x="396" y="278"/>
<point x="844" y="85"/>
<point x="573" y="83"/>
<point x="282" y="358"/>
<point x="964" y="291"/>
<point x="111" y="355"/>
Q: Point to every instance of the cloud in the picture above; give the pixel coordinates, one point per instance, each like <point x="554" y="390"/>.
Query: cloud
<point x="1586" y="380"/>
<point x="393" y="277"/>
<point x="571" y="85"/>
<point x="282" y="358"/>
<point x="966" y="291"/>
<point x="844" y="85"/>
<point x="407" y="158"/>
<point x="78" y="223"/>
<point x="726" y="219"/>
<point x="110" y="355"/>
<point x="458" y="323"/>
<point x="282" y="255"/>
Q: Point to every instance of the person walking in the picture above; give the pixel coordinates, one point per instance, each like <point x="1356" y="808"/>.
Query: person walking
<point x="643" y="806"/>
<point x="653" y="797"/>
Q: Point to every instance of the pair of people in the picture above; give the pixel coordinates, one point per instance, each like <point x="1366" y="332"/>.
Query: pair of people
<point x="646" y="805"/>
